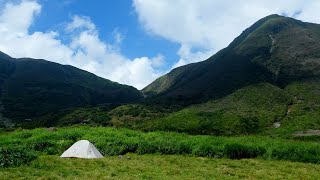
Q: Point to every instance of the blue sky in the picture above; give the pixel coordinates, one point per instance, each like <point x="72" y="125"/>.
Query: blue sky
<point x="108" y="17"/>
<point x="133" y="41"/>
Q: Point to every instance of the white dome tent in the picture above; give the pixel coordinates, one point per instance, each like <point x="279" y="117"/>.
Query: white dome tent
<point x="82" y="149"/>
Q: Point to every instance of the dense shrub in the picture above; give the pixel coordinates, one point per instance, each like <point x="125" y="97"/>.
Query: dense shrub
<point x="239" y="151"/>
<point x="101" y="119"/>
<point x="24" y="134"/>
<point x="111" y="148"/>
<point x="10" y="157"/>
<point x="249" y="125"/>
<point x="207" y="150"/>
<point x="296" y="153"/>
<point x="110" y="142"/>
<point x="72" y="135"/>
<point x="44" y="145"/>
<point x="146" y="147"/>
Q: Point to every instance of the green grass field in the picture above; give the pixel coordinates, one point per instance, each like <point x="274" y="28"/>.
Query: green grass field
<point x="155" y="155"/>
<point x="160" y="167"/>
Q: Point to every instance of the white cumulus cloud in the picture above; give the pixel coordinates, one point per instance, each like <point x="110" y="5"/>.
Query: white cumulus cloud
<point x="202" y="27"/>
<point x="86" y="50"/>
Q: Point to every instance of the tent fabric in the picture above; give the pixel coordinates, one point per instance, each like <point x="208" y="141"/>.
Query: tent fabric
<point x="82" y="149"/>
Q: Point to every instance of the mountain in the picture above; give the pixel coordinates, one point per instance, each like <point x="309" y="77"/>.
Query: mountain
<point x="276" y="50"/>
<point x="32" y="88"/>
<point x="267" y="81"/>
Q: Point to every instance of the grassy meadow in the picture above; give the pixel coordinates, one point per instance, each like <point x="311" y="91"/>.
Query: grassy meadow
<point x="155" y="155"/>
<point x="112" y="142"/>
<point x="160" y="167"/>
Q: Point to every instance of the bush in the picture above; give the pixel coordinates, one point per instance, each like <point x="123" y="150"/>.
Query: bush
<point x="101" y="119"/>
<point x="165" y="147"/>
<point x="24" y="134"/>
<point x="184" y="147"/>
<point x="112" y="149"/>
<point x="110" y="141"/>
<point x="10" y="157"/>
<point x="249" y="125"/>
<point x="42" y="145"/>
<point x="297" y="153"/>
<point x="146" y="147"/>
<point x="238" y="151"/>
<point x="72" y="135"/>
<point x="207" y="150"/>
<point x="131" y="147"/>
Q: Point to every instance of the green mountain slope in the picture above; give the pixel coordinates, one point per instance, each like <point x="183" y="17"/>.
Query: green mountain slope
<point x="266" y="81"/>
<point x="252" y="109"/>
<point x="304" y="112"/>
<point x="276" y="50"/>
<point x="291" y="112"/>
<point x="31" y="88"/>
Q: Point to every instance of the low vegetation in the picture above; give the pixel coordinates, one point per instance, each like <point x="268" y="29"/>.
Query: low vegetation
<point x="113" y="142"/>
<point x="250" y="110"/>
<point x="15" y="156"/>
<point x="304" y="113"/>
<point x="160" y="167"/>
